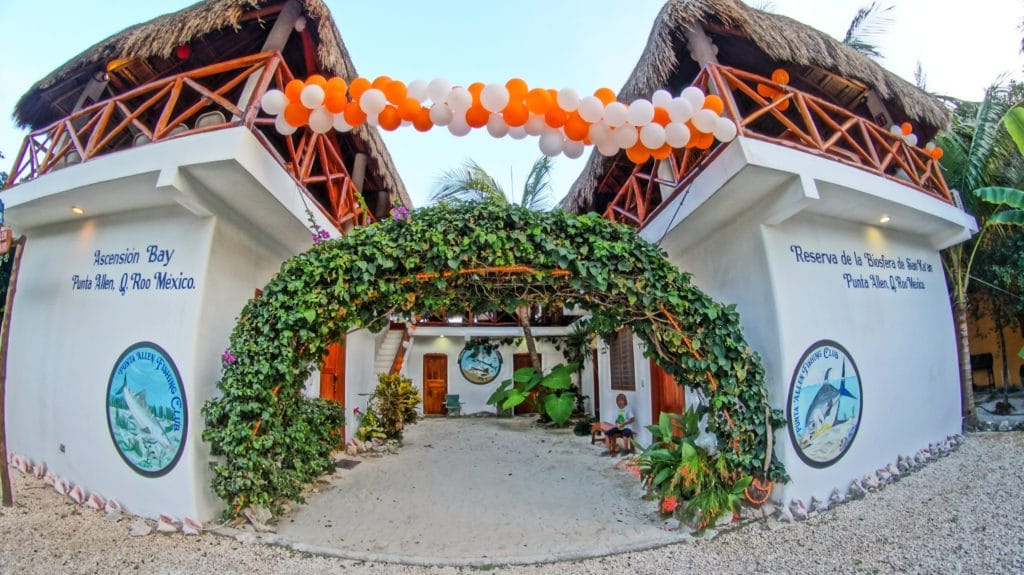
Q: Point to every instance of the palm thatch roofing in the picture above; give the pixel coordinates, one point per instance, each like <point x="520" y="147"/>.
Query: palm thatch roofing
<point x="159" y="38"/>
<point x="755" y="41"/>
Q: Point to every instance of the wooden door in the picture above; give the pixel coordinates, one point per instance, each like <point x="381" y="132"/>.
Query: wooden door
<point x="523" y="360"/>
<point x="666" y="394"/>
<point x="597" y="386"/>
<point x="435" y="383"/>
<point x="332" y="374"/>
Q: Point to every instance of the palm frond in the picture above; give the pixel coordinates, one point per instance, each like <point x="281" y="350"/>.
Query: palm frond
<point x="537" y="189"/>
<point x="468" y="183"/>
<point x="870" y="22"/>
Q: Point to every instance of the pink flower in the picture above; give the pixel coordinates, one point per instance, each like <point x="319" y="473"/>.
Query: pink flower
<point x="227" y="357"/>
<point x="669" y="504"/>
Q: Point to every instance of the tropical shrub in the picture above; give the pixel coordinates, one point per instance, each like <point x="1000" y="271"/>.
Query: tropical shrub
<point x="394" y="401"/>
<point x="558" y="401"/>
<point x="689" y="474"/>
<point x="369" y="426"/>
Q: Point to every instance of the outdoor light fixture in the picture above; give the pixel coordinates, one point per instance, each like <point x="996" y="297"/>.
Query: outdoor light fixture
<point x="884" y="219"/>
<point x="77" y="210"/>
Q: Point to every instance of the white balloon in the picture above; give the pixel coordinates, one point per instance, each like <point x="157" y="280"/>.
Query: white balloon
<point x="911" y="139"/>
<point x="896" y="130"/>
<point x="551" y="143"/>
<point x="725" y="130"/>
<point x="458" y="126"/>
<point x="693" y="95"/>
<point x="496" y="126"/>
<point x="661" y="98"/>
<point x="591" y="109"/>
<point x="373" y="120"/>
<point x="599" y="133"/>
<point x="417" y="89"/>
<point x="641" y="112"/>
<point x="677" y="134"/>
<point x="438" y="89"/>
<point x="609" y="148"/>
<point x="372" y="102"/>
<point x="568" y="99"/>
<point x="283" y="127"/>
<point x="494" y="97"/>
<point x="274" y="102"/>
<point x="440" y="115"/>
<point x="459" y="99"/>
<point x="653" y="136"/>
<point x="929" y="146"/>
<point x="626" y="137"/>
<point x="705" y="121"/>
<point x="321" y="121"/>
<point x="312" y="96"/>
<point x="680" y="110"/>
<point x="535" y="125"/>
<point x="340" y="124"/>
<point x="616" y="114"/>
<point x="517" y="132"/>
<point x="573" y="149"/>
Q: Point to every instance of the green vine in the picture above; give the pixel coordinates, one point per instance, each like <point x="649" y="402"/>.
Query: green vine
<point x="456" y="257"/>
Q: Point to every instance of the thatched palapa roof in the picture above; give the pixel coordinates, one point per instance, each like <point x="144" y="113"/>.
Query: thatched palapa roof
<point x="756" y="41"/>
<point x="158" y="39"/>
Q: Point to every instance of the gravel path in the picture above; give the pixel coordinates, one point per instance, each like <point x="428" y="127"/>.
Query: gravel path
<point x="961" y="514"/>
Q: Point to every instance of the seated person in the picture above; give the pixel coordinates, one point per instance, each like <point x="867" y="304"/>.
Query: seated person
<point x="624" y="420"/>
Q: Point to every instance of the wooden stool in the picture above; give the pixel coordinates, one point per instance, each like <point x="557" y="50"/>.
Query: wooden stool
<point x="599" y="428"/>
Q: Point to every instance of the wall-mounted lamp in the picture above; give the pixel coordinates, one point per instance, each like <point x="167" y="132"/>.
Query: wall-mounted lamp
<point x="884" y="219"/>
<point x="77" y="210"/>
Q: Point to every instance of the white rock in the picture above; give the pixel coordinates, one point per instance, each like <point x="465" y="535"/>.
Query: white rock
<point x="139" y="528"/>
<point x="871" y="483"/>
<point x="894" y="471"/>
<point x="166" y="524"/>
<point x="883" y="475"/>
<point x="258" y="517"/>
<point x="836" y="498"/>
<point x="61" y="486"/>
<point x="352" y="450"/>
<point x="39" y="469"/>
<point x="903" y="464"/>
<point x="799" y="509"/>
<point x="857" y="490"/>
<point x="246" y="537"/>
<point x="190" y="526"/>
<point x="113" y="505"/>
<point x="95" y="502"/>
<point x="112" y="516"/>
<point x="77" y="494"/>
<point x="49" y="479"/>
<point x="784" y="514"/>
<point x="818" y="505"/>
<point x="24" y="465"/>
<point x="1004" y="425"/>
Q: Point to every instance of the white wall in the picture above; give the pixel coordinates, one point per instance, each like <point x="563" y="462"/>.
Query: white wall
<point x="360" y="379"/>
<point x="473" y="396"/>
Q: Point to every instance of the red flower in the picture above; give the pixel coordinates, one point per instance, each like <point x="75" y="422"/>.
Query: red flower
<point x="669" y="504"/>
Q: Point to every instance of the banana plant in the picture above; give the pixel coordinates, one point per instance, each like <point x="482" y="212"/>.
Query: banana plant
<point x="1012" y="198"/>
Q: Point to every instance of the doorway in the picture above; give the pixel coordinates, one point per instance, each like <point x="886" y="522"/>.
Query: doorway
<point x="666" y="395"/>
<point x="435" y="383"/>
<point x="523" y="360"/>
<point x="332" y="374"/>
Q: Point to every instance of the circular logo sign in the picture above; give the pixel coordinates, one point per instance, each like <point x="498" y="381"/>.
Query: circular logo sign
<point x="825" y="403"/>
<point x="480" y="364"/>
<point x="146" y="410"/>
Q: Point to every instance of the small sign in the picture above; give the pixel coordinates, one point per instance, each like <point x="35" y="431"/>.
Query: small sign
<point x="480" y="363"/>
<point x="146" y="410"/>
<point x="825" y="403"/>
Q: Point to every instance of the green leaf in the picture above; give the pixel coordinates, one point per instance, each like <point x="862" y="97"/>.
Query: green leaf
<point x="662" y="476"/>
<point x="557" y="380"/>
<point x="1014" y="122"/>
<point x="309" y="314"/>
<point x="741" y="484"/>
<point x="515" y="397"/>
<point x="559" y="406"/>
<point x="523" y="374"/>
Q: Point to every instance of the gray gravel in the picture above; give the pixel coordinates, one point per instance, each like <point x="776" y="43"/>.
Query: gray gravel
<point x="961" y="514"/>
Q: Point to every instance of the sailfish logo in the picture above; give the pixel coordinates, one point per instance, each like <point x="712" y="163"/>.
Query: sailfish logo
<point x="145" y="420"/>
<point x="824" y="410"/>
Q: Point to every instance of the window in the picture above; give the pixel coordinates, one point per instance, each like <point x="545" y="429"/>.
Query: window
<point x="620" y="350"/>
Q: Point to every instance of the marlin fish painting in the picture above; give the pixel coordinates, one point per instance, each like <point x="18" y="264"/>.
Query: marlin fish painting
<point x="143" y="417"/>
<point x="824" y="408"/>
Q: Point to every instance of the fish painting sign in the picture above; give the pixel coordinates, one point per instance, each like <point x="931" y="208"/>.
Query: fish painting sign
<point x="825" y="403"/>
<point x="146" y="410"/>
<point x="480" y="364"/>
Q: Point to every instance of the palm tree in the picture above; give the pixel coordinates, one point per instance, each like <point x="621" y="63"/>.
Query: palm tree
<point x="978" y="153"/>
<point x="869" y="22"/>
<point x="472" y="183"/>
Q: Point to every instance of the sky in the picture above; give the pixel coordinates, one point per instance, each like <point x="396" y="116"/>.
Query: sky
<point x="580" y="44"/>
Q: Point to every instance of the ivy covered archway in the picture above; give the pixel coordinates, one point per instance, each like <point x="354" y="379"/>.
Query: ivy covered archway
<point x="484" y="257"/>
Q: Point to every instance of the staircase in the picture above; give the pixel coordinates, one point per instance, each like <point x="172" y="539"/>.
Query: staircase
<point x="387" y="351"/>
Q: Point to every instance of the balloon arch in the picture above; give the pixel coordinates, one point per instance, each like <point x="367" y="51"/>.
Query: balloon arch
<point x="483" y="257"/>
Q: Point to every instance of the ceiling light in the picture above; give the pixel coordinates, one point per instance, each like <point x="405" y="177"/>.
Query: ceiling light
<point x="884" y="219"/>
<point x="77" y="210"/>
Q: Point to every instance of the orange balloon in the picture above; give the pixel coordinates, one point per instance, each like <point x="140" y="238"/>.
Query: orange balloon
<point x="662" y="152"/>
<point x="538" y="100"/>
<point x="409" y="109"/>
<point x="714" y="103"/>
<point x="704" y="141"/>
<point x="474" y="90"/>
<point x="293" y="90"/>
<point x="515" y="113"/>
<point x="780" y="76"/>
<point x="335" y="101"/>
<point x="606" y="95"/>
<point x="296" y="114"/>
<point x="767" y="91"/>
<point x="906" y="128"/>
<point x="638" y="154"/>
<point x="477" y="116"/>
<point x="318" y="80"/>
<point x="381" y="82"/>
<point x="576" y="128"/>
<point x="661" y="116"/>
<point x="336" y="84"/>
<point x="358" y="86"/>
<point x="937" y="153"/>
<point x="555" y="117"/>
<point x="517" y="89"/>
<point x="389" y="118"/>
<point x="783" y="106"/>
<point x="396" y="92"/>
<point x="354" y="115"/>
<point x="422" y="121"/>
